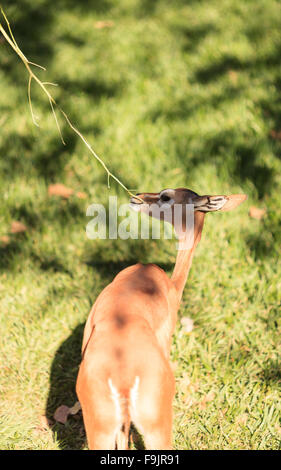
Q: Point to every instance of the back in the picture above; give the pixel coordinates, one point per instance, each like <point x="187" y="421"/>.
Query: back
<point x="141" y="290"/>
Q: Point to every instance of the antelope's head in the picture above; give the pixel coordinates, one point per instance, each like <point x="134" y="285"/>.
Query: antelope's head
<point x="168" y="198"/>
<point x="172" y="205"/>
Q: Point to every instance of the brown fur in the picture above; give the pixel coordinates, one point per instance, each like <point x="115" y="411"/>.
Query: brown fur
<point x="125" y="373"/>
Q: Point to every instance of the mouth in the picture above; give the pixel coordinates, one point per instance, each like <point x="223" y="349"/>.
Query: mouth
<point x="136" y="200"/>
<point x="136" y="203"/>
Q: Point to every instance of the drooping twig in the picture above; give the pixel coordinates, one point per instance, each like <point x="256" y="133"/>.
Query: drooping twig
<point x="32" y="76"/>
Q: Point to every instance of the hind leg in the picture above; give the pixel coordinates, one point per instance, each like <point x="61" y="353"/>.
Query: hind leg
<point x="99" y="413"/>
<point x="99" y="440"/>
<point x="153" y="412"/>
<point x="157" y="440"/>
<point x="101" y="433"/>
<point x="159" y="436"/>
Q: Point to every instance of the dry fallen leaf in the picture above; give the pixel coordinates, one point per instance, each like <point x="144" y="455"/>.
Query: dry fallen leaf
<point x="278" y="428"/>
<point x="60" y="190"/>
<point x="256" y="213"/>
<point x="194" y="387"/>
<point x="210" y="396"/>
<point x="187" y="324"/>
<point x="18" y="227"/>
<point x="81" y="195"/>
<point x="233" y="76"/>
<point x="176" y="171"/>
<point x="202" y="405"/>
<point x="242" y="419"/>
<point x="5" y="240"/>
<point x="61" y="414"/>
<point x="206" y="399"/>
<point x="75" y="408"/>
<point x="103" y="24"/>
<point x="276" y="135"/>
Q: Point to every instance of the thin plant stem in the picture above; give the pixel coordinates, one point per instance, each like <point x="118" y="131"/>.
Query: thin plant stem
<point x="32" y="76"/>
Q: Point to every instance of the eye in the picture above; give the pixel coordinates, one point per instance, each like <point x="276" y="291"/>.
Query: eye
<point x="165" y="198"/>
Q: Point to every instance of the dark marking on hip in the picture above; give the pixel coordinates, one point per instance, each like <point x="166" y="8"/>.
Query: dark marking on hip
<point x="120" y="321"/>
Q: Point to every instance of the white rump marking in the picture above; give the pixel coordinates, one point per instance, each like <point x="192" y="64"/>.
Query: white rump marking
<point x="187" y="324"/>
<point x="134" y="395"/>
<point x="116" y="399"/>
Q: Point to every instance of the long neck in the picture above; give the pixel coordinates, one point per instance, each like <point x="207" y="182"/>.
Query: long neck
<point x="185" y="256"/>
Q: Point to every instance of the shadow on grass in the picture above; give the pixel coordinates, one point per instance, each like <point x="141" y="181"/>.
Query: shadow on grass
<point x="10" y="251"/>
<point x="260" y="247"/>
<point x="244" y="153"/>
<point x="272" y="373"/>
<point x="28" y="155"/>
<point x="215" y="71"/>
<point x="266" y="241"/>
<point x="96" y="89"/>
<point x="242" y="157"/>
<point x="272" y="110"/>
<point x="51" y="263"/>
<point x="98" y="6"/>
<point x="21" y="246"/>
<point x="193" y="35"/>
<point x="63" y="376"/>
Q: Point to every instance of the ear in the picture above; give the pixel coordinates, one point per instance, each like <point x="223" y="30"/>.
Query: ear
<point x="218" y="203"/>
<point x="233" y="201"/>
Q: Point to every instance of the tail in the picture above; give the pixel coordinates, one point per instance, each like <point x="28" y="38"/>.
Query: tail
<point x="122" y="436"/>
<point x="123" y="404"/>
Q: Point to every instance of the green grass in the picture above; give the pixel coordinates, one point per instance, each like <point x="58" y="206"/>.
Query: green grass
<point x="173" y="94"/>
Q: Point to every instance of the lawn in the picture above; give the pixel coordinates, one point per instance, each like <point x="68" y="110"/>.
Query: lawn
<point x="169" y="94"/>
